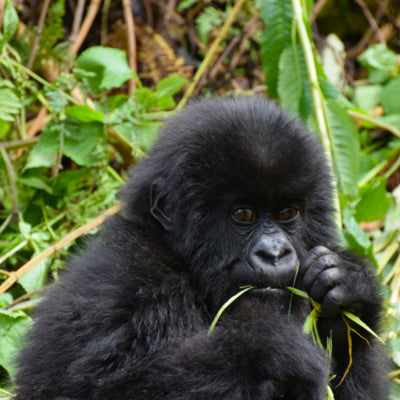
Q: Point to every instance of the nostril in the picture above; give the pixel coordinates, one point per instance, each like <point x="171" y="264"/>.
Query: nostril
<point x="271" y="250"/>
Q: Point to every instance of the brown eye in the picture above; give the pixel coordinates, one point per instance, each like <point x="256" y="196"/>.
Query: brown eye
<point x="287" y="214"/>
<point x="244" y="215"/>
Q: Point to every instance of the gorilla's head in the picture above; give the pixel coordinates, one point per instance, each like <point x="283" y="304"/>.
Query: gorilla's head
<point x="238" y="191"/>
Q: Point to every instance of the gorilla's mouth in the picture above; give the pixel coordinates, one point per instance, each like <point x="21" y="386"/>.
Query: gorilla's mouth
<point x="270" y="291"/>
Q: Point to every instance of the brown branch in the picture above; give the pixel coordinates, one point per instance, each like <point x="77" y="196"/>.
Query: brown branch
<point x="27" y="296"/>
<point x="362" y="44"/>
<point x="228" y="49"/>
<point x="15" y="275"/>
<point x="149" y="13"/>
<point x="78" y="15"/>
<point x="372" y="23"/>
<point x="42" y="18"/>
<point x="37" y="123"/>
<point x="87" y="23"/>
<point x="319" y="5"/>
<point x="248" y="30"/>
<point x="131" y="40"/>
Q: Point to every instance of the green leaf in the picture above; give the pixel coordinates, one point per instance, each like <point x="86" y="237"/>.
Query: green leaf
<point x="84" y="114"/>
<point x="308" y="324"/>
<point x="6" y="299"/>
<point x="329" y="393"/>
<point x="10" y="104"/>
<point x="13" y="327"/>
<point x="69" y="181"/>
<point x="109" y="64"/>
<point x="379" y="61"/>
<point x="278" y="16"/>
<point x="390" y="96"/>
<point x="345" y="146"/>
<point x="10" y="23"/>
<point x="358" y="321"/>
<point x="170" y="85"/>
<point x="185" y="4"/>
<point x="226" y="305"/>
<point x="76" y="140"/>
<point x="36" y="277"/>
<point x="143" y="134"/>
<point x="36" y="180"/>
<point x="80" y="141"/>
<point x="356" y="238"/>
<point x="45" y="152"/>
<point x="298" y="292"/>
<point x="375" y="201"/>
<point x="165" y="90"/>
<point x="368" y="97"/>
<point x="289" y="81"/>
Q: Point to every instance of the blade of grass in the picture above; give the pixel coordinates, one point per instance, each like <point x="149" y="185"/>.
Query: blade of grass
<point x="226" y="305"/>
<point x="358" y="321"/>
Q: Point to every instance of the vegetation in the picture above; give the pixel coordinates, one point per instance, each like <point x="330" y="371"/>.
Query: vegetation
<point x="83" y="93"/>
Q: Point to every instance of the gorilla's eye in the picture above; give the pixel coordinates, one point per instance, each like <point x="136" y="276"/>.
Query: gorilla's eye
<point x="287" y="214"/>
<point x="244" y="215"/>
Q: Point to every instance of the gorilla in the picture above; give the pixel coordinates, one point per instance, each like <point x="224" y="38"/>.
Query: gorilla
<point x="234" y="193"/>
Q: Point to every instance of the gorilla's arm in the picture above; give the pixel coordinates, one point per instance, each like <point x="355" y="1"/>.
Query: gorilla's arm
<point x="340" y="280"/>
<point x="240" y="359"/>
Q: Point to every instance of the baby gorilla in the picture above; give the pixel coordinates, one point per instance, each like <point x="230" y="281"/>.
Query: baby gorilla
<point x="234" y="193"/>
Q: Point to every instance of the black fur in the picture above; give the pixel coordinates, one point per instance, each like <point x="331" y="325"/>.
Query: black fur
<point x="130" y="318"/>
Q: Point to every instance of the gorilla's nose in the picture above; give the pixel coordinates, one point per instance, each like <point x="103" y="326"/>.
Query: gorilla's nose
<point x="272" y="250"/>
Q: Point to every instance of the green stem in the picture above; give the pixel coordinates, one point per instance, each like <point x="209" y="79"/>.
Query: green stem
<point x="11" y="180"/>
<point x="319" y="107"/>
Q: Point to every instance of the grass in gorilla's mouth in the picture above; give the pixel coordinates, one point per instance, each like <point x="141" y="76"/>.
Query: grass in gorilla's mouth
<point x="310" y="324"/>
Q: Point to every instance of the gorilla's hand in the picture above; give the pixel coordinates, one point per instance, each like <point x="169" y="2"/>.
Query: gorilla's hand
<point x="335" y="282"/>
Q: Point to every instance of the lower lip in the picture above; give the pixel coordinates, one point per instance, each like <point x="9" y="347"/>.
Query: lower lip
<point x="269" y="291"/>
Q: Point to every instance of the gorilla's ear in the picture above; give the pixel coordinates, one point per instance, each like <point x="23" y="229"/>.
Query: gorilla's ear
<point x="158" y="205"/>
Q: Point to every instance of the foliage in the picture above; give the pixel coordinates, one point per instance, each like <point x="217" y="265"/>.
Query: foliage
<point x="91" y="128"/>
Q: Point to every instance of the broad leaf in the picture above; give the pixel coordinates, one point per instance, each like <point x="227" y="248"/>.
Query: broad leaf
<point x="10" y="23"/>
<point x="36" y="277"/>
<point x="375" y="201"/>
<point x="356" y="238"/>
<point x="13" y="326"/>
<point x="80" y="141"/>
<point x="379" y="61"/>
<point x="277" y="15"/>
<point x="290" y="81"/>
<point x="345" y="147"/>
<point x="84" y="114"/>
<point x="390" y="96"/>
<point x="109" y="64"/>
<point x="44" y="154"/>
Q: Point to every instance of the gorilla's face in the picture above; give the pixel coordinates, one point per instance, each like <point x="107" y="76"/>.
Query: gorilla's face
<point x="268" y="257"/>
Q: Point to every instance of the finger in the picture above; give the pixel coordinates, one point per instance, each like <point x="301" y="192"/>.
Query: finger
<point x="312" y="256"/>
<point x="324" y="282"/>
<point x="323" y="262"/>
<point x="331" y="304"/>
